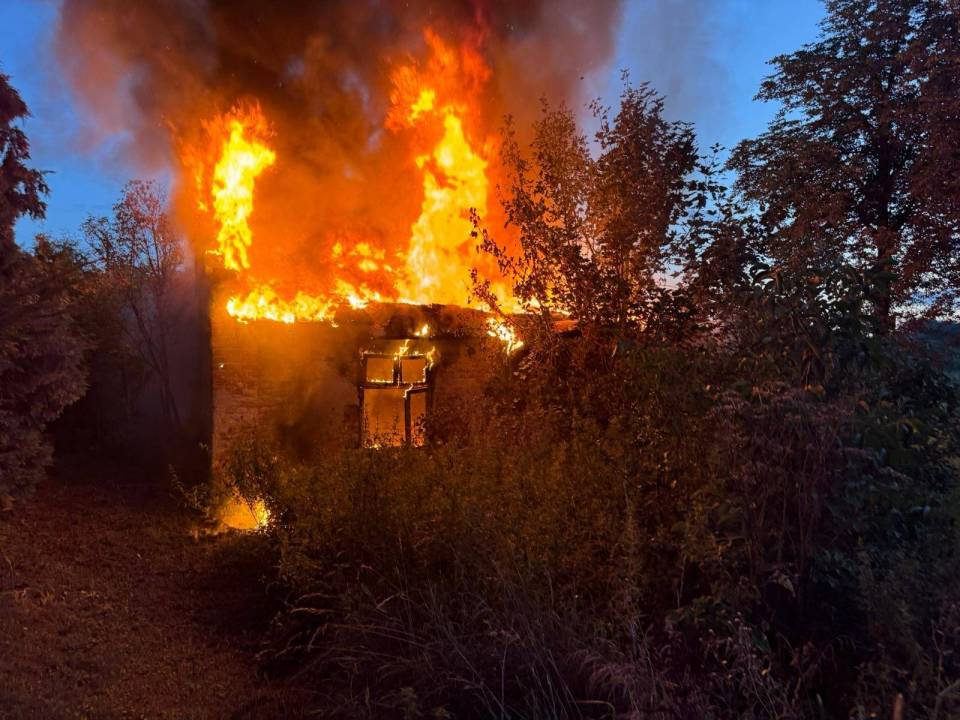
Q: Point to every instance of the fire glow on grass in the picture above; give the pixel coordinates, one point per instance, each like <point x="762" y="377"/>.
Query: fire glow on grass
<point x="240" y="514"/>
<point x="430" y="105"/>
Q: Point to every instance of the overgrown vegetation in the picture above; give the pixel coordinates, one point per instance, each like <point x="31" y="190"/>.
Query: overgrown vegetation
<point x="731" y="494"/>
<point x="41" y="353"/>
<point x="677" y="532"/>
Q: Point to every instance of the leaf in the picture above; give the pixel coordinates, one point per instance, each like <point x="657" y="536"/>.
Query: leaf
<point x="760" y="641"/>
<point x="780" y="578"/>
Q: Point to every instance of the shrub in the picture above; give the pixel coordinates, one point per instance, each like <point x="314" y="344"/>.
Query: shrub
<point x="639" y="533"/>
<point x="42" y="366"/>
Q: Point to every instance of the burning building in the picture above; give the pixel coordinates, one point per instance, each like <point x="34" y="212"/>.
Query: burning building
<point x="328" y="159"/>
<point x="364" y="353"/>
<point x="370" y="379"/>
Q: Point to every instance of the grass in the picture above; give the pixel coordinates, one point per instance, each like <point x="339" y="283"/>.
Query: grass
<point x="109" y="609"/>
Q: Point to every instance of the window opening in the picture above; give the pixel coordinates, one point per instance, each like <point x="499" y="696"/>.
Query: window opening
<point x="394" y="398"/>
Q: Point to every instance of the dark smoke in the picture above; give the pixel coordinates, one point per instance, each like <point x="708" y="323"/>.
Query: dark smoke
<point x="153" y="70"/>
<point x="141" y="63"/>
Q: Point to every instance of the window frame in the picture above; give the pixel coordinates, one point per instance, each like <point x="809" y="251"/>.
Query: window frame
<point x="423" y="386"/>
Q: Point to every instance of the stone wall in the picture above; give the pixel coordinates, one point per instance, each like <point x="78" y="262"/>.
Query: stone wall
<point x="301" y="381"/>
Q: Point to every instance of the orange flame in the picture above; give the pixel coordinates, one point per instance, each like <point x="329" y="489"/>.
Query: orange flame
<point x="423" y="104"/>
<point x="242" y="158"/>
<point x="505" y="333"/>
<point x="455" y="183"/>
<point x="263" y="303"/>
<point x="238" y="513"/>
<point x="431" y="105"/>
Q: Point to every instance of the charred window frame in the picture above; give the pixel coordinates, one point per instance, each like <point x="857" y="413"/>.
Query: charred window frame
<point x="409" y="373"/>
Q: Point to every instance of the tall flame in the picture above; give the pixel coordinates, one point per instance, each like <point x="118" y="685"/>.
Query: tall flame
<point x="431" y="107"/>
<point x="453" y="182"/>
<point x="243" y="157"/>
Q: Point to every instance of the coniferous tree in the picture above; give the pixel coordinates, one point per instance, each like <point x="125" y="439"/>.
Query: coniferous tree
<point x="41" y="355"/>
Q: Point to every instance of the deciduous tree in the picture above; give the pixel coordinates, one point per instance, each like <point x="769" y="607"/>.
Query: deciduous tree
<point x="598" y="227"/>
<point x="854" y="168"/>
<point x="139" y="254"/>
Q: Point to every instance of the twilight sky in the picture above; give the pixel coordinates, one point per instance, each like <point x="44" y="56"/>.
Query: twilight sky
<point x="706" y="56"/>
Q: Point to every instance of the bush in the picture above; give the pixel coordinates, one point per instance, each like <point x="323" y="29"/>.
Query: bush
<point x="639" y="533"/>
<point x="42" y="367"/>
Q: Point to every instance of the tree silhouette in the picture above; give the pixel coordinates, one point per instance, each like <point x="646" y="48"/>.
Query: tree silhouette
<point x="139" y="255"/>
<point x="41" y="355"/>
<point x="598" y="229"/>
<point x="854" y="168"/>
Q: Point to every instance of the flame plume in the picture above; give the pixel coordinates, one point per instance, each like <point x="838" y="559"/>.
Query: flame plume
<point x="431" y="105"/>
<point x="434" y="263"/>
<point x="243" y="157"/>
<point x="454" y="174"/>
<point x="353" y="95"/>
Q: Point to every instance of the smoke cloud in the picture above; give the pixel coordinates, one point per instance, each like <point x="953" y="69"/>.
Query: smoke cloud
<point x="155" y="70"/>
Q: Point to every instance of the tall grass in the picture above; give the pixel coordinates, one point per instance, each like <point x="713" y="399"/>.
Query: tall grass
<point x="657" y="548"/>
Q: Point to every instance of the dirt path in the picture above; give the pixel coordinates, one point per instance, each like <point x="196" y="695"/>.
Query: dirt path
<point x="109" y="609"/>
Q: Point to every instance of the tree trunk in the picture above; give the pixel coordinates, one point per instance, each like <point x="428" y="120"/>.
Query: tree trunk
<point x="883" y="286"/>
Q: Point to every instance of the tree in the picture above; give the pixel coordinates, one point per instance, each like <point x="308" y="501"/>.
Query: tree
<point x="139" y="255"/>
<point x="937" y="179"/>
<point x="853" y="167"/>
<point x="41" y="355"/>
<point x="116" y="373"/>
<point x="597" y="231"/>
<point x="21" y="188"/>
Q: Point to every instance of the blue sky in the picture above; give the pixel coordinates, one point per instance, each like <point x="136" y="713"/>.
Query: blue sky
<point x="84" y="179"/>
<point x="706" y="56"/>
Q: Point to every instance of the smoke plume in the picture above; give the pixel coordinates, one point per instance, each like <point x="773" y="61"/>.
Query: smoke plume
<point x="157" y="70"/>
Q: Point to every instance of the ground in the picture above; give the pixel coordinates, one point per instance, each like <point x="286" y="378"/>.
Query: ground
<point x="110" y="607"/>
